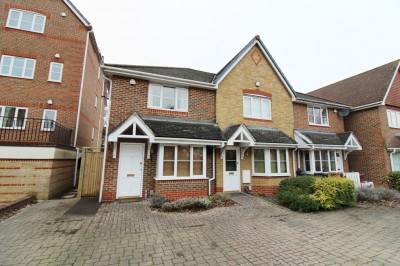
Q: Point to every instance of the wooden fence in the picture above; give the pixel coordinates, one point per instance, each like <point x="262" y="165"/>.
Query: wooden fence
<point x="90" y="173"/>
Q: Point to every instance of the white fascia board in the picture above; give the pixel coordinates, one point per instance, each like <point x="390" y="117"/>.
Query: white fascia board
<point x="174" y="141"/>
<point x="245" y="131"/>
<point x="353" y="137"/>
<point x="324" y="104"/>
<point x="113" y="137"/>
<point x="36" y="153"/>
<point x="282" y="145"/>
<point x="159" y="78"/>
<point x="299" y="136"/>
<point x="77" y="13"/>
<point x="329" y="147"/>
<point x="366" y="106"/>
<point x="390" y="84"/>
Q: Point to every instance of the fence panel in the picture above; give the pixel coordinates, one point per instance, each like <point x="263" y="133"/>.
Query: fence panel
<point x="90" y="173"/>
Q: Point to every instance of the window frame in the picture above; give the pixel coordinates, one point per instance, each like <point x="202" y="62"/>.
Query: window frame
<point x="21" y="11"/>
<point x="321" y="109"/>
<point x="61" y="72"/>
<point x="9" y="74"/>
<point x="160" y="163"/>
<point x="329" y="161"/>
<point x="262" y="98"/>
<point x="42" y="128"/>
<point x="267" y="167"/>
<point x="393" y="118"/>
<point x="392" y="161"/>
<point x="162" y="87"/>
<point x="3" y="109"/>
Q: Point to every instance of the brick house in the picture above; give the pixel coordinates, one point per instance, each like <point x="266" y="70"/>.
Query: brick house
<point x="181" y="132"/>
<point x="51" y="103"/>
<point x="374" y="117"/>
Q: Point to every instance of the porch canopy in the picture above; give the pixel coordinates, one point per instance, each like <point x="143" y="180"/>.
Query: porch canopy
<point x="316" y="139"/>
<point x="167" y="130"/>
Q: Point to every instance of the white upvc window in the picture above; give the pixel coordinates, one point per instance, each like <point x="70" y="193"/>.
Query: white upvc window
<point x="168" y="98"/>
<point x="26" y="20"/>
<point x="393" y="118"/>
<point x="13" y="117"/>
<point x="182" y="162"/>
<point x="18" y="67"/>
<point x="257" y="107"/>
<point x="317" y="116"/>
<point x="395" y="160"/>
<point x="56" y="71"/>
<point x="307" y="161"/>
<point x="325" y="161"/>
<point x="49" y="120"/>
<point x="270" y="162"/>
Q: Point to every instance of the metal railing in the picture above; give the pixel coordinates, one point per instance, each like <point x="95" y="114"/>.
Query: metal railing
<point x="32" y="131"/>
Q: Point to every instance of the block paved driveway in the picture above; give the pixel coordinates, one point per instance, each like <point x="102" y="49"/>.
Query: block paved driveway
<point x="257" y="232"/>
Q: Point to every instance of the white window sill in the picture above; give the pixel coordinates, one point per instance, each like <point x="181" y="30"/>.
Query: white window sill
<point x="271" y="175"/>
<point x="163" y="109"/>
<point x="172" y="178"/>
<point x="319" y="125"/>
<point x="15" y="76"/>
<point x="15" y="28"/>
<point x="54" y="81"/>
<point x="259" y="118"/>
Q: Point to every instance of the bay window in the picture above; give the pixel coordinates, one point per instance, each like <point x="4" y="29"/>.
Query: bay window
<point x="168" y="98"/>
<point x="182" y="161"/>
<point x="256" y="107"/>
<point x="13" y="117"/>
<point x="270" y="162"/>
<point x="317" y="116"/>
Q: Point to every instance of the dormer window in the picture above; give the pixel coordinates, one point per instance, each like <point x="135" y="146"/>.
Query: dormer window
<point x="26" y="20"/>
<point x="168" y="98"/>
<point x="318" y="116"/>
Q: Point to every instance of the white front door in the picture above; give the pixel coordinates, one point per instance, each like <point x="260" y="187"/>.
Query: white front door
<point x="232" y="169"/>
<point x="130" y="170"/>
<point x="339" y="161"/>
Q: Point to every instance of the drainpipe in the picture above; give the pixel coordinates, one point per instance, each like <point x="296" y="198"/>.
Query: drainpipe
<point x="76" y="165"/>
<point x="294" y="163"/>
<point x="105" y="141"/>
<point x="100" y="128"/>
<point x="213" y="174"/>
<point x="81" y="90"/>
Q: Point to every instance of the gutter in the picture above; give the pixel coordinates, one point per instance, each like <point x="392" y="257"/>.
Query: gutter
<point x="366" y="106"/>
<point x="323" y="103"/>
<point x="81" y="89"/>
<point x="105" y="142"/>
<point x="159" y="78"/>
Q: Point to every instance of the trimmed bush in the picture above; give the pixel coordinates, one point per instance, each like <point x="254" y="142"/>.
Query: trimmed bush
<point x="186" y="204"/>
<point x="295" y="193"/>
<point x="393" y="180"/>
<point x="334" y="192"/>
<point x="156" y="201"/>
<point x="377" y="194"/>
<point x="220" y="198"/>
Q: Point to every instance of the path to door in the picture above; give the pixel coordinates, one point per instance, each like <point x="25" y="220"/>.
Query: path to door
<point x="255" y="233"/>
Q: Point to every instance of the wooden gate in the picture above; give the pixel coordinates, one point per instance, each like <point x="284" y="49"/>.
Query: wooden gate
<point x="90" y="172"/>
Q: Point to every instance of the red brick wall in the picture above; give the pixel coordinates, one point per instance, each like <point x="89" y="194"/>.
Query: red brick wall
<point x="372" y="160"/>
<point x="336" y="122"/>
<point x="62" y="35"/>
<point x="127" y="99"/>
<point x="177" y="189"/>
<point x="393" y="98"/>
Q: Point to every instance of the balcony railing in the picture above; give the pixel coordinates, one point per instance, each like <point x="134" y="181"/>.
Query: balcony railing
<point x="32" y="131"/>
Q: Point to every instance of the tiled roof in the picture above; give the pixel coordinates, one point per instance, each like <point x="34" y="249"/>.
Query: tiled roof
<point x="306" y="97"/>
<point x="183" y="128"/>
<point x="269" y="135"/>
<point x="325" y="138"/>
<point x="365" y="88"/>
<point x="176" y="72"/>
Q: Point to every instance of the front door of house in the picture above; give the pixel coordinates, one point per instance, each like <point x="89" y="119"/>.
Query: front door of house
<point x="339" y="161"/>
<point x="232" y="169"/>
<point x="130" y="171"/>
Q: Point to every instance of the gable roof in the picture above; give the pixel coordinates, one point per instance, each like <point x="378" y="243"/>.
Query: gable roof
<point x="365" y="88"/>
<point x="327" y="138"/>
<point x="255" y="41"/>
<point x="78" y="13"/>
<point x="176" y="72"/>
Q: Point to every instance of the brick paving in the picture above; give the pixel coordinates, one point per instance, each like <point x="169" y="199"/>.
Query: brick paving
<point x="255" y="233"/>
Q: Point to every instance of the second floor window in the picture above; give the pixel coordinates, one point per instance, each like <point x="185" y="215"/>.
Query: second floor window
<point x="256" y="107"/>
<point x="317" y="116"/>
<point x="56" y="70"/>
<point x="13" y="117"/>
<point x="17" y="67"/>
<point x="168" y="98"/>
<point x="393" y="118"/>
<point x="26" y="20"/>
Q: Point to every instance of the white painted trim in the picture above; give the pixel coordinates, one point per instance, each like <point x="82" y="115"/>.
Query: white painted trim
<point x="35" y="153"/>
<point x="366" y="106"/>
<point x="9" y="74"/>
<point x="238" y="169"/>
<point x="75" y="11"/>
<point x="162" y="87"/>
<point x="390" y="84"/>
<point x="302" y="137"/>
<point x="44" y="117"/>
<point x="321" y="108"/>
<point x="134" y="119"/>
<point x="159" y="78"/>
<point x="245" y="131"/>
<point x="162" y="140"/>
<point x="50" y="71"/>
<point x="267" y="163"/>
<point x="119" y="165"/>
<point x="78" y="115"/>
<point x="328" y="105"/>
<point x="262" y="98"/>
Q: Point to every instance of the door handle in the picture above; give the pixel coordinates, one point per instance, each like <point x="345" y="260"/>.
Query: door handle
<point x="130" y="175"/>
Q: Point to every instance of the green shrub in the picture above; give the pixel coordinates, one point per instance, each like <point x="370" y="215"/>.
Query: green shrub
<point x="393" y="180"/>
<point x="334" y="192"/>
<point x="220" y="198"/>
<point x="377" y="194"/>
<point x="295" y="193"/>
<point x="187" y="203"/>
<point x="156" y="201"/>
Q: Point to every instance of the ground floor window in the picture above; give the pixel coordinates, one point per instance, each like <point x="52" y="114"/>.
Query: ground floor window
<point x="270" y="162"/>
<point x="395" y="161"/>
<point x="322" y="161"/>
<point x="179" y="161"/>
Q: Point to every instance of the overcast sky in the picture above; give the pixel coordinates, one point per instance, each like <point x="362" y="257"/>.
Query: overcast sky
<point x="315" y="42"/>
